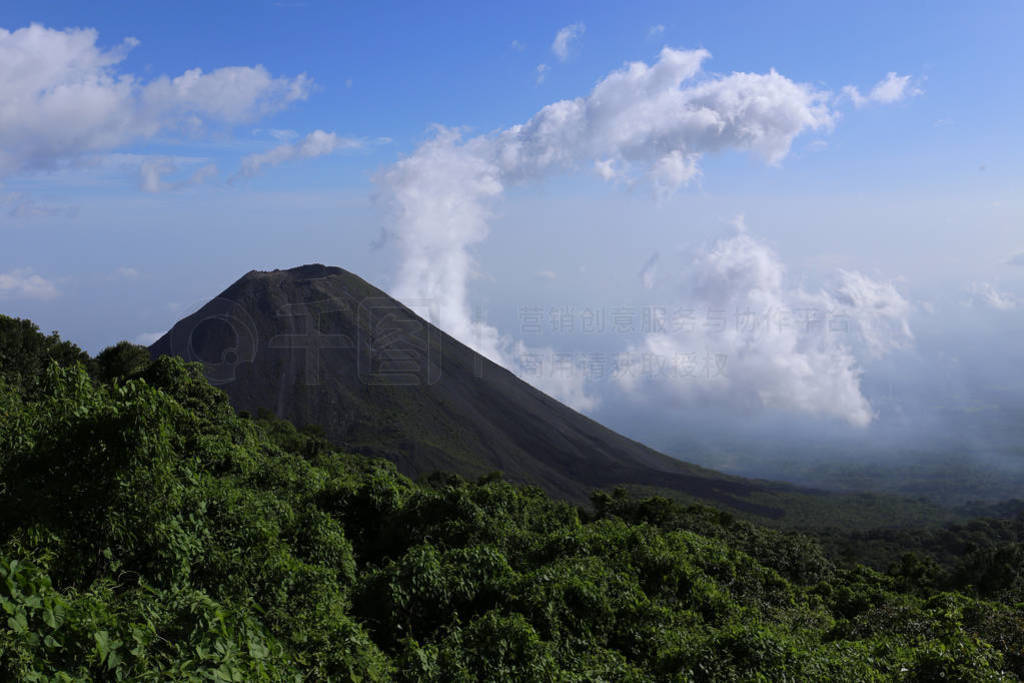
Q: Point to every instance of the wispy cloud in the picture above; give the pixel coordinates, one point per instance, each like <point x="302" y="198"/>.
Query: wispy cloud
<point x="148" y="338"/>
<point x="608" y="169"/>
<point x="23" y="283"/>
<point x="655" y="31"/>
<point x="21" y="205"/>
<point x="318" y="143"/>
<point x="892" y="88"/>
<point x="564" y="39"/>
<point x="282" y="134"/>
<point x="153" y="169"/>
<point x="649" y="273"/>
<point x="542" y="71"/>
<point x="986" y="294"/>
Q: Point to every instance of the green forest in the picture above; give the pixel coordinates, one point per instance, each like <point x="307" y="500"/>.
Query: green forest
<point x="150" y="532"/>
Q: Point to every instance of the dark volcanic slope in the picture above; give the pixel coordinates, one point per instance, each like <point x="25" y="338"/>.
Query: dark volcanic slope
<point x="318" y="345"/>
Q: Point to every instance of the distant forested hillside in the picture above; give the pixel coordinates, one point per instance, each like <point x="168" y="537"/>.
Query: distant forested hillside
<point x="148" y="532"/>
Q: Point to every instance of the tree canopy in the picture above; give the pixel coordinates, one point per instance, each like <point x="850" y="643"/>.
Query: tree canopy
<point x="148" y="532"/>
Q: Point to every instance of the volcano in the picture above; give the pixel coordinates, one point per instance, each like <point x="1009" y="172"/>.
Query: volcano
<point x="317" y="345"/>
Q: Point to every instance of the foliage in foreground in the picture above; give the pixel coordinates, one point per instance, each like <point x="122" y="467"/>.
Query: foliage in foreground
<point x="147" y="532"/>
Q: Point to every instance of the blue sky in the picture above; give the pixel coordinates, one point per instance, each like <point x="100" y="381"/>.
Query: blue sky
<point x="114" y="224"/>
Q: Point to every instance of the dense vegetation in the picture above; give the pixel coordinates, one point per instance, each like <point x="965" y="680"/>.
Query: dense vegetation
<point x="149" y="532"/>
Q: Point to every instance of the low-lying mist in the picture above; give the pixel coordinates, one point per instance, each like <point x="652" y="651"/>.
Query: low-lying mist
<point x="945" y="418"/>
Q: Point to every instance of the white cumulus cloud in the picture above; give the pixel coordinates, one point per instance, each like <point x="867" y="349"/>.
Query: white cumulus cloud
<point x="751" y="341"/>
<point x="642" y="122"/>
<point x="64" y="96"/>
<point x="653" y="121"/>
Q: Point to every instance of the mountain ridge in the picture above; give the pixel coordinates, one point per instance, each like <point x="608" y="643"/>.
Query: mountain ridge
<point x="315" y="344"/>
